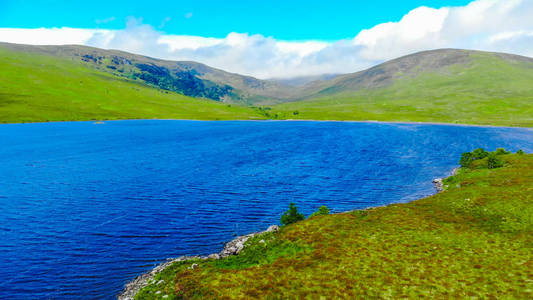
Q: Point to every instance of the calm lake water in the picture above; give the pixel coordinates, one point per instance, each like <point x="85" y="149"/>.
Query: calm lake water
<point x="87" y="207"/>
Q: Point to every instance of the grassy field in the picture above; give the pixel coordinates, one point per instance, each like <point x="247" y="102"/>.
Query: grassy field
<point x="40" y="88"/>
<point x="471" y="241"/>
<point x="487" y="91"/>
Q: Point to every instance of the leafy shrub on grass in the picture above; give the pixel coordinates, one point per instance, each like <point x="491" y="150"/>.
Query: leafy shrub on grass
<point x="479" y="153"/>
<point x="322" y="211"/>
<point x="501" y="151"/>
<point x="466" y="159"/>
<point x="292" y="215"/>
<point x="520" y="152"/>
<point x="493" y="161"/>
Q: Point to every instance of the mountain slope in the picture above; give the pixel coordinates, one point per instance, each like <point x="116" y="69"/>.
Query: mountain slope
<point x="39" y="87"/>
<point x="453" y="86"/>
<point x="188" y="78"/>
<point x="39" y="83"/>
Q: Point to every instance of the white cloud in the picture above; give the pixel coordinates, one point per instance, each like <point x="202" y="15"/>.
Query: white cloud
<point x="419" y="29"/>
<point x="482" y="24"/>
<point x="177" y="42"/>
<point x="188" y="15"/>
<point x="48" y="36"/>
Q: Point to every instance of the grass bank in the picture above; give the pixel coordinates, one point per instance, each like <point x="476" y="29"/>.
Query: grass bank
<point x="471" y="241"/>
<point x="40" y="88"/>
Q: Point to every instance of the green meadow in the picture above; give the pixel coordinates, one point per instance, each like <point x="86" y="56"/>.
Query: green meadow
<point x="41" y="88"/>
<point x="486" y="91"/>
<point x="472" y="240"/>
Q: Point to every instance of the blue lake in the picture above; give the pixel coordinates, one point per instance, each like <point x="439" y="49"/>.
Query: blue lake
<point x="87" y="207"/>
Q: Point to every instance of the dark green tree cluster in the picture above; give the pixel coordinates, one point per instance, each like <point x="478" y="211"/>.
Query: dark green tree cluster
<point x="493" y="158"/>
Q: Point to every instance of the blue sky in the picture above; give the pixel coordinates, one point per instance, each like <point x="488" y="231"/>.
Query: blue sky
<point x="274" y="38"/>
<point x="286" y="20"/>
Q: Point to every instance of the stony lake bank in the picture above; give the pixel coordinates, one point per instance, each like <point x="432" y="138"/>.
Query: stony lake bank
<point x="471" y="240"/>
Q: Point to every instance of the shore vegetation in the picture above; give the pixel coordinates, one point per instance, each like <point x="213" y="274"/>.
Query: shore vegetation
<point x="473" y="240"/>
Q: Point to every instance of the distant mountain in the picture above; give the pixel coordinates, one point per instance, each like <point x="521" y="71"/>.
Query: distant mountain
<point x="303" y="80"/>
<point x="437" y="62"/>
<point x="446" y="85"/>
<point x="40" y="84"/>
<point x="185" y="77"/>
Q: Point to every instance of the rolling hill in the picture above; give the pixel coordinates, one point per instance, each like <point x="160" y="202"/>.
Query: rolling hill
<point x="36" y="87"/>
<point x="40" y="83"/>
<point x="448" y="85"/>
<point x="185" y="77"/>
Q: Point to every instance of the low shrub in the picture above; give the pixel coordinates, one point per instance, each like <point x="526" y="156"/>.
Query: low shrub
<point x="493" y="161"/>
<point x="322" y="211"/>
<point x="466" y="159"/>
<point x="501" y="151"/>
<point x="479" y="153"/>
<point x="292" y="215"/>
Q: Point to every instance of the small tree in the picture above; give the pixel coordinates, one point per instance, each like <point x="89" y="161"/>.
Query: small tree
<point x="493" y="161"/>
<point x="322" y="211"/>
<point x="520" y="152"/>
<point x="291" y="216"/>
<point x="479" y="153"/>
<point x="501" y="151"/>
<point x="466" y="159"/>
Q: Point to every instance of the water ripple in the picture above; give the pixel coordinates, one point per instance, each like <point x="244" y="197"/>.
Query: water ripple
<point x="86" y="208"/>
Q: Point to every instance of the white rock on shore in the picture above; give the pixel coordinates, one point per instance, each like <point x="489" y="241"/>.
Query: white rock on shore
<point x="231" y="248"/>
<point x="438" y="181"/>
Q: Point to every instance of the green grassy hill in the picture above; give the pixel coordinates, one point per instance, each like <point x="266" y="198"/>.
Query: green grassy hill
<point x="37" y="87"/>
<point x="184" y="77"/>
<point x="451" y="86"/>
<point x="54" y="83"/>
<point x="471" y="241"/>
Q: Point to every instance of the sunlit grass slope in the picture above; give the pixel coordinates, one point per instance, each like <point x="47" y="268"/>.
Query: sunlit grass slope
<point x="471" y="241"/>
<point x="487" y="89"/>
<point x="38" y="88"/>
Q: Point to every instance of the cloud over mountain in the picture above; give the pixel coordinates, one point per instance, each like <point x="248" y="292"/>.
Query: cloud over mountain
<point x="483" y="24"/>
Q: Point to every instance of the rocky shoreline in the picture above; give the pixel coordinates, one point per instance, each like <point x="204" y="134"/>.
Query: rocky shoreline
<point x="437" y="182"/>
<point x="231" y="248"/>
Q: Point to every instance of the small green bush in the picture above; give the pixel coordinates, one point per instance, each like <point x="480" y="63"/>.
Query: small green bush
<point x="479" y="153"/>
<point x="493" y="161"/>
<point x="520" y="152"/>
<point x="292" y="215"/>
<point x="322" y="211"/>
<point x="466" y="159"/>
<point x="501" y="151"/>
